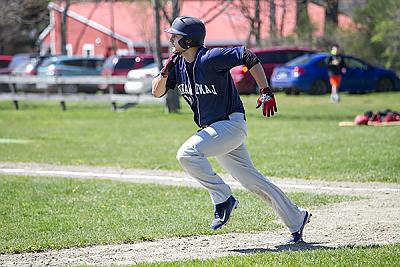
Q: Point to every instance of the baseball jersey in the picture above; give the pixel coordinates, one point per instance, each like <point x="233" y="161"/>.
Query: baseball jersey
<point x="335" y="65"/>
<point x="206" y="83"/>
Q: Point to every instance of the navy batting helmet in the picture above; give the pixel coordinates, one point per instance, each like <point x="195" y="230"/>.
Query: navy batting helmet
<point x="192" y="30"/>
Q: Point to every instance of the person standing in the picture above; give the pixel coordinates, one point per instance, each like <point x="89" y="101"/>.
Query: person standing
<point x="202" y="76"/>
<point x="336" y="68"/>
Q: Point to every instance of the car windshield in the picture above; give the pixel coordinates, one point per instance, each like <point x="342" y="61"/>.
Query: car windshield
<point x="47" y="62"/>
<point x="150" y="66"/>
<point x="125" y="63"/>
<point x="302" y="60"/>
<point x="18" y="59"/>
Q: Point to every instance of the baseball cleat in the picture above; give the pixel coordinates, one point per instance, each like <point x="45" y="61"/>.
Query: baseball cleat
<point x="335" y="98"/>
<point x="297" y="237"/>
<point x="223" y="212"/>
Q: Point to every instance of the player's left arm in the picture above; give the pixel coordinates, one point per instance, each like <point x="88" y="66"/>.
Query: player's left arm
<point x="266" y="99"/>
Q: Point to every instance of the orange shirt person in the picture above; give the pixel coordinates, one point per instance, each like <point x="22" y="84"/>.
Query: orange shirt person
<point x="336" y="67"/>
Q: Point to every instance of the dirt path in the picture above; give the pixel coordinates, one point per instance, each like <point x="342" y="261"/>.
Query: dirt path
<point x="370" y="221"/>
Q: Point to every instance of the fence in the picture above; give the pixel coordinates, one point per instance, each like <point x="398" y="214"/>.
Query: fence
<point x="41" y="91"/>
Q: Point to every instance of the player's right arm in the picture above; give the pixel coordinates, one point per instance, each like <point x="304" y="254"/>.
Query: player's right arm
<point x="158" y="86"/>
<point x="159" y="83"/>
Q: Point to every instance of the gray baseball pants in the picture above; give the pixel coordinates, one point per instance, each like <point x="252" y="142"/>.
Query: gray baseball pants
<point x="224" y="141"/>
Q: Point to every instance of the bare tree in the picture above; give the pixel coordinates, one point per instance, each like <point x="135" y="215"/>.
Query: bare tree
<point x="21" y="21"/>
<point x="283" y="17"/>
<point x="272" y="22"/>
<point x="251" y="11"/>
<point x="331" y="14"/>
<point x="63" y="41"/>
<point x="172" y="100"/>
<point x="304" y="28"/>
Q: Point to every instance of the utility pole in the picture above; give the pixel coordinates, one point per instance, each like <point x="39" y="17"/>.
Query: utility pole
<point x="63" y="42"/>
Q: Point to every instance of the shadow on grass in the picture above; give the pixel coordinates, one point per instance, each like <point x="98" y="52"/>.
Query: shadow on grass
<point x="285" y="247"/>
<point x="308" y="117"/>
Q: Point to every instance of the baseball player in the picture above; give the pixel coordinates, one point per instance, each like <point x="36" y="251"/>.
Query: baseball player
<point x="202" y="76"/>
<point x="336" y="67"/>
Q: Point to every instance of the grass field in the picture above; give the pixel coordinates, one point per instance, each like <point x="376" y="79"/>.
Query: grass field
<point x="303" y="140"/>
<point x="362" y="256"/>
<point x="40" y="213"/>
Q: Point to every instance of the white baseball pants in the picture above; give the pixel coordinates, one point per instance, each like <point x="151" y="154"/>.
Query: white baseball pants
<point x="224" y="140"/>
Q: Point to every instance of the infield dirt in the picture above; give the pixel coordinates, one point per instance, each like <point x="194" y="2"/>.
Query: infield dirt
<point x="372" y="220"/>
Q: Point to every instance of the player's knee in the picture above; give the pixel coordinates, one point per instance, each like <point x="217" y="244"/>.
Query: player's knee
<point x="185" y="155"/>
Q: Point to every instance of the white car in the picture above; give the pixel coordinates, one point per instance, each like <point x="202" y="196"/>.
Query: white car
<point x="139" y="80"/>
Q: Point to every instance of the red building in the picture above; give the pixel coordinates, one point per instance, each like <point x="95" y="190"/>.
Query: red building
<point x="93" y="28"/>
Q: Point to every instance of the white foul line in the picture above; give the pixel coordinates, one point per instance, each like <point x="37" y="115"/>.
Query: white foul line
<point x="157" y="178"/>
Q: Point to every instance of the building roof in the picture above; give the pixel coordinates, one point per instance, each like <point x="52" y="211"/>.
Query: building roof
<point x="134" y="21"/>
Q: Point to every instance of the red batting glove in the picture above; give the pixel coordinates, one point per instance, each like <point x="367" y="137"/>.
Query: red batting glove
<point x="169" y="64"/>
<point x="267" y="101"/>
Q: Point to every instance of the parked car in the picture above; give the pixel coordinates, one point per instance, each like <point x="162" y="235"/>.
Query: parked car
<point x="309" y="74"/>
<point x="121" y="65"/>
<point x="72" y="66"/>
<point x="15" y="61"/>
<point x="269" y="58"/>
<point x="139" y="80"/>
<point x="28" y="68"/>
<point x="4" y="62"/>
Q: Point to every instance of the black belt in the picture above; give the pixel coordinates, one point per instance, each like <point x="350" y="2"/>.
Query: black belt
<point x="205" y="126"/>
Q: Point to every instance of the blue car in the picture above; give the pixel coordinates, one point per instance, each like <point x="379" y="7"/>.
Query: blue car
<point x="309" y="74"/>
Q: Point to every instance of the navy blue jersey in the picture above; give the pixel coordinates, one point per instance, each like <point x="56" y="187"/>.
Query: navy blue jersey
<point x="206" y="84"/>
<point x="335" y="65"/>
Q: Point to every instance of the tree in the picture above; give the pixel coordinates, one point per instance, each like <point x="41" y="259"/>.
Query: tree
<point x="63" y="41"/>
<point x="272" y="22"/>
<point x="21" y="22"/>
<point x="304" y="28"/>
<point x="251" y="11"/>
<point x="172" y="100"/>
<point x="331" y="15"/>
<point x="380" y="26"/>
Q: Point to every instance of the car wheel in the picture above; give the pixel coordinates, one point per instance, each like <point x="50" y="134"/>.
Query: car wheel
<point x="318" y="87"/>
<point x="70" y="89"/>
<point x="288" y="91"/>
<point x="385" y="84"/>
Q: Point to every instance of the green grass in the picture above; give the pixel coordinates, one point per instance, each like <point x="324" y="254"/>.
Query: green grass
<point x="41" y="213"/>
<point x="358" y="256"/>
<point x="303" y="140"/>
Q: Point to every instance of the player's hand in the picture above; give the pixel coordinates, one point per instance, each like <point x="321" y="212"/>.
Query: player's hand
<point x="266" y="100"/>
<point x="169" y="64"/>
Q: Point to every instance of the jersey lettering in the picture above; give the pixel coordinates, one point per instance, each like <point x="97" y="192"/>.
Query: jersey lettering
<point x="199" y="89"/>
<point x="185" y="89"/>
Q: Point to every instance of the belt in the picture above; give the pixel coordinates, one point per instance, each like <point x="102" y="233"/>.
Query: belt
<point x="227" y="118"/>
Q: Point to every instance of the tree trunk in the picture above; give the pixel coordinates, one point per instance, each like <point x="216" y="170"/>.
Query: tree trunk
<point x="172" y="101"/>
<point x="283" y="17"/>
<point x="63" y="42"/>
<point x="304" y="27"/>
<point x="331" y="14"/>
<point x="157" y="50"/>
<point x="272" y="21"/>
<point x="257" y="32"/>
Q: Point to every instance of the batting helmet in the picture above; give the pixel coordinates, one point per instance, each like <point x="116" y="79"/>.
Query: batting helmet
<point x="192" y="30"/>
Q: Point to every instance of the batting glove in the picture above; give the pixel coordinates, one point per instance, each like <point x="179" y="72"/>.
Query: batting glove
<point x="169" y="64"/>
<point x="267" y="101"/>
